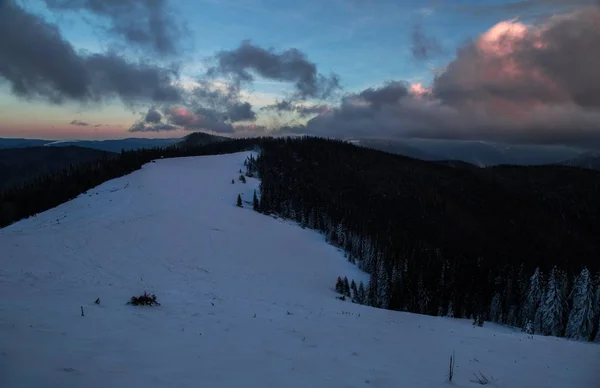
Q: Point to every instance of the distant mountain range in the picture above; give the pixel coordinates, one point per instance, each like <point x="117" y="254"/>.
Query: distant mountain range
<point x="113" y="145"/>
<point x="477" y="153"/>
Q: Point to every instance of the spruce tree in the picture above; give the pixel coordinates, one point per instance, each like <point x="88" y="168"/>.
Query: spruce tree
<point x="553" y="306"/>
<point x="581" y="318"/>
<point x="371" y="294"/>
<point x="339" y="286"/>
<point x="354" y="289"/>
<point x="346" y="286"/>
<point x="255" y="204"/>
<point x="597" y="305"/>
<point x="533" y="300"/>
<point x="362" y="296"/>
<point x="239" y="201"/>
<point x="496" y="309"/>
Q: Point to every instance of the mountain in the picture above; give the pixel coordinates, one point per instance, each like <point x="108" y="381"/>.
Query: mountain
<point x="589" y="160"/>
<point x="21" y="143"/>
<point x="20" y="165"/>
<point x="246" y="300"/>
<point x="112" y="145"/>
<point x="397" y="147"/>
<point x="116" y="145"/>
<point x="199" y="139"/>
<point x="473" y="152"/>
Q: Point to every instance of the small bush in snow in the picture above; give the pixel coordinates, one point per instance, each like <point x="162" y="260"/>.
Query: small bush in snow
<point x="144" y="300"/>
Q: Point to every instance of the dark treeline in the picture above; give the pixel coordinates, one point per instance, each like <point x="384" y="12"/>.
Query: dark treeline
<point x="510" y="244"/>
<point x="50" y="190"/>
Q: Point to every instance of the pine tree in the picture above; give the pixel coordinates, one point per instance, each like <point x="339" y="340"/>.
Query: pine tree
<point x="553" y="306"/>
<point x="346" y="286"/>
<point x="255" y="204"/>
<point x="496" y="309"/>
<point x="353" y="289"/>
<point x="371" y="299"/>
<point x="339" y="286"/>
<point x="362" y="296"/>
<point x="533" y="300"/>
<point x="383" y="286"/>
<point x="233" y="181"/>
<point x="239" y="201"/>
<point x="581" y="318"/>
<point x="597" y="306"/>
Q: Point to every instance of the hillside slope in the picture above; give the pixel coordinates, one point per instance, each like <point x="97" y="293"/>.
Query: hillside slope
<point x="247" y="300"/>
<point x="20" y="165"/>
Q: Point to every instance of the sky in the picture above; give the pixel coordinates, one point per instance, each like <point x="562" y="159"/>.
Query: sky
<point x="512" y="71"/>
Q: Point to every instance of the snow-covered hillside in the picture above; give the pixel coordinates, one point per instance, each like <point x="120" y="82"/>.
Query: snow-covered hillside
<point x="247" y="301"/>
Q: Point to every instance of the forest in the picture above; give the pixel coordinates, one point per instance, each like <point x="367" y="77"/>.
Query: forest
<point x="513" y="245"/>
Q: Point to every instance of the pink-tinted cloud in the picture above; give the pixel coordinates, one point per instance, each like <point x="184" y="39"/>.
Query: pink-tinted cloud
<point x="514" y="83"/>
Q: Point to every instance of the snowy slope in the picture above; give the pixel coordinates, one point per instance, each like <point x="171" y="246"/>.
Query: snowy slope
<point x="247" y="301"/>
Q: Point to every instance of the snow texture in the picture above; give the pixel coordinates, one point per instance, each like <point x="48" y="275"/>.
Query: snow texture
<point x="247" y="300"/>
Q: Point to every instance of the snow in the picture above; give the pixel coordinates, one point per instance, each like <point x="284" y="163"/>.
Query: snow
<point x="247" y="300"/>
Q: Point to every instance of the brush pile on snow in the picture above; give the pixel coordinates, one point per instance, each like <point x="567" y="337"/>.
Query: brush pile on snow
<point x="144" y="300"/>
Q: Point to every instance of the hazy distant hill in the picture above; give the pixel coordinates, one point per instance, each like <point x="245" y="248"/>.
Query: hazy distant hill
<point x="21" y="143"/>
<point x="112" y="145"/>
<point x="474" y="152"/>
<point x="116" y="145"/>
<point x="19" y="165"/>
<point x="589" y="160"/>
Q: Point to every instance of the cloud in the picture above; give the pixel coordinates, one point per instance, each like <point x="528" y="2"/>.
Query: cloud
<point x="145" y="23"/>
<point x="516" y="83"/>
<point x="241" y="111"/>
<point x="290" y="65"/>
<point x="157" y="127"/>
<point x="524" y="6"/>
<point x="79" y="123"/>
<point x="391" y="93"/>
<point x="200" y="119"/>
<point x="423" y="46"/>
<point x="300" y="109"/>
<point x="37" y="62"/>
<point x="153" y="116"/>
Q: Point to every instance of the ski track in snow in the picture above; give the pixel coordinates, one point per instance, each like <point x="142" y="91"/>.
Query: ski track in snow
<point x="247" y="300"/>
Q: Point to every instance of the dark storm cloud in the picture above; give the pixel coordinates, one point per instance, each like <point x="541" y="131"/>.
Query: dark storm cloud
<point x="145" y="23"/>
<point x="302" y="110"/>
<point x="79" y="123"/>
<point x="391" y="93"/>
<point x="241" y="112"/>
<point x="422" y="46"/>
<point x="290" y="65"/>
<point x="37" y="62"/>
<point x="153" y="116"/>
<point x="199" y="119"/>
